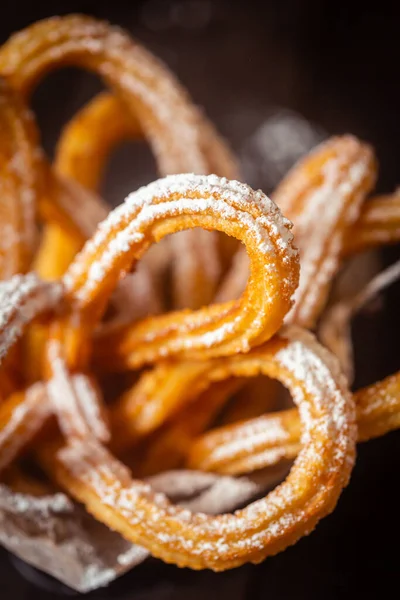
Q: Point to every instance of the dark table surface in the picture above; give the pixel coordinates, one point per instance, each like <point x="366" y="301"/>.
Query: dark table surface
<point x="323" y="68"/>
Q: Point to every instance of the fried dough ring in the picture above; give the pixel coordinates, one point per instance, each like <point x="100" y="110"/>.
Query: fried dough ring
<point x="82" y="152"/>
<point x="92" y="476"/>
<point x="329" y="184"/>
<point x="154" y="98"/>
<point x="338" y="172"/>
<point x="23" y="298"/>
<point x="265" y="441"/>
<point x="232" y="449"/>
<point x="170" y="205"/>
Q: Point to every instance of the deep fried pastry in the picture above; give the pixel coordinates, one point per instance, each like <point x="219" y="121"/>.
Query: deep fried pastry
<point x="167" y="447"/>
<point x="75" y="399"/>
<point x="30" y="186"/>
<point x="7" y="383"/>
<point x="265" y="441"/>
<point x="170" y="205"/>
<point x="91" y="475"/>
<point x="153" y="96"/>
<point x="80" y="156"/>
<point x="157" y="396"/>
<point x="97" y="46"/>
<point x="81" y="153"/>
<point x="249" y="445"/>
<point x="338" y="173"/>
<point x="200" y="357"/>
<point x="83" y="149"/>
<point x="330" y="184"/>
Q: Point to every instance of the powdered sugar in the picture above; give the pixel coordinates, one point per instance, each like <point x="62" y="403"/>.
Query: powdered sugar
<point x="251" y="435"/>
<point x="75" y="400"/>
<point x="320" y="372"/>
<point x="327" y="412"/>
<point x="173" y="196"/>
<point x="90" y="403"/>
<point x="336" y="204"/>
<point x="22" y="298"/>
<point x="25" y="421"/>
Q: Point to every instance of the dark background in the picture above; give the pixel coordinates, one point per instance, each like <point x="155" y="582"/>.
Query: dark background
<point x="334" y="67"/>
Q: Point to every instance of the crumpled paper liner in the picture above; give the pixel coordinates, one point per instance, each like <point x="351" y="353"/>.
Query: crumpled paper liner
<point x="58" y="537"/>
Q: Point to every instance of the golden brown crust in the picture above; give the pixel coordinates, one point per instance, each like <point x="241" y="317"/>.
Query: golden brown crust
<point x="92" y="476"/>
<point x="153" y="97"/>
<point x="243" y="447"/>
<point x="170" y="205"/>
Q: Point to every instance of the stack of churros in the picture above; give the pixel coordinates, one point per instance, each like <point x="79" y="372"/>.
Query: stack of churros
<point x="194" y="328"/>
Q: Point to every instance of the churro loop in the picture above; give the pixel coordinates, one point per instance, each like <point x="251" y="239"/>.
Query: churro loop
<point x="83" y="149"/>
<point x="137" y="77"/>
<point x="87" y="141"/>
<point x="153" y="97"/>
<point x="328" y="185"/>
<point x="173" y="204"/>
<point x="267" y="440"/>
<point x="92" y="476"/>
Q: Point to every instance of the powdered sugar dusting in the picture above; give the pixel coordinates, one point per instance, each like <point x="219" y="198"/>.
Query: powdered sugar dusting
<point x="329" y="441"/>
<point x="22" y="298"/>
<point x="336" y="204"/>
<point x="323" y="380"/>
<point x="74" y="399"/>
<point x="90" y="403"/>
<point x="25" y="421"/>
<point x="173" y="196"/>
<point x="251" y="435"/>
